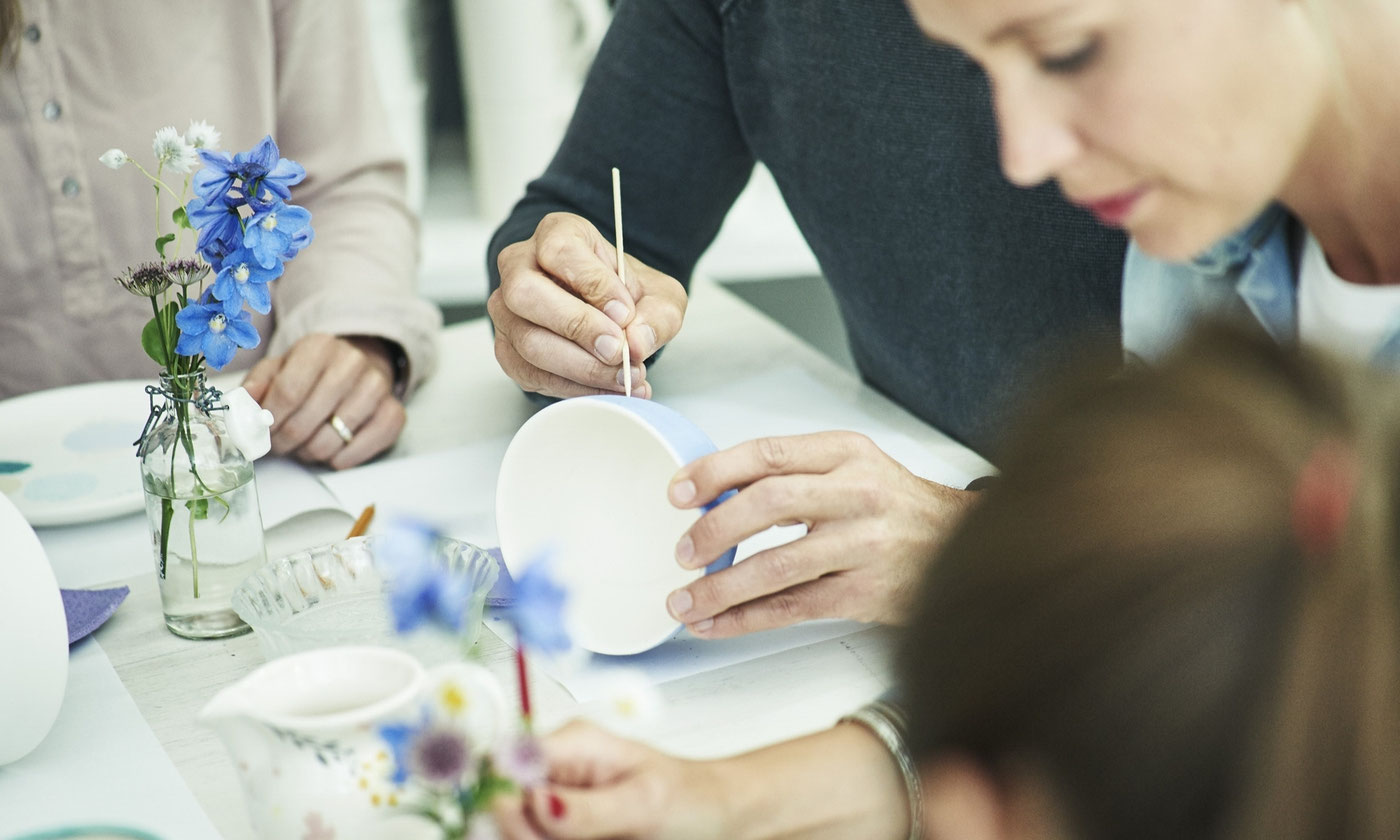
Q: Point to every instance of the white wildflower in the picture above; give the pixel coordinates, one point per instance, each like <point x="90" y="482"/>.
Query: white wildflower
<point x="628" y="702"/>
<point x="202" y="135"/>
<point x="114" y="158"/>
<point x="171" y="150"/>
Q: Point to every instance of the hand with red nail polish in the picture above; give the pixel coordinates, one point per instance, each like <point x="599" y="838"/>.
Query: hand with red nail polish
<point x="601" y="785"/>
<point x="839" y="782"/>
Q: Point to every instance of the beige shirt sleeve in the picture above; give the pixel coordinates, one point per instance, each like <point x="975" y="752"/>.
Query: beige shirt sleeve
<point x="358" y="276"/>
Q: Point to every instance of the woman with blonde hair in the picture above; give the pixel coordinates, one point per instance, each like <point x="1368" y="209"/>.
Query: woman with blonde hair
<point x="1177" y="616"/>
<point x="1247" y="147"/>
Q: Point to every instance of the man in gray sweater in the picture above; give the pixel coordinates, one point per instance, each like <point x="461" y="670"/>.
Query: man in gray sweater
<point x="954" y="285"/>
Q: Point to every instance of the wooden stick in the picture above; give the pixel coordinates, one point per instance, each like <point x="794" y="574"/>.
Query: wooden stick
<point x="362" y="524"/>
<point x="621" y="275"/>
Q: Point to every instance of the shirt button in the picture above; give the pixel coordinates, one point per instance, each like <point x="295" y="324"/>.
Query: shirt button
<point x="52" y="110"/>
<point x="31" y="33"/>
<point x="71" y="187"/>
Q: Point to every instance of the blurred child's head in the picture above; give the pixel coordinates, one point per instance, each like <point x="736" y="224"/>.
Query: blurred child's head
<point x="1176" y="614"/>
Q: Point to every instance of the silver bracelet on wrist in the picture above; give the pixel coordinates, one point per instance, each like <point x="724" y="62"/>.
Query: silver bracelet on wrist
<point x="886" y="723"/>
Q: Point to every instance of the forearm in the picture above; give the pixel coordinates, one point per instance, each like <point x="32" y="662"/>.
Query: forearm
<point x="358" y="277"/>
<point x="838" y="783"/>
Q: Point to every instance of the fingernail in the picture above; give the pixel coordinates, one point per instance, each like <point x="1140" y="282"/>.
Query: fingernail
<point x="556" y="806"/>
<point x="616" y="310"/>
<point x="636" y="377"/>
<point x="679" y="603"/>
<point x="648" y="340"/>
<point x="685" y="550"/>
<point x="607" y="348"/>
<point x="683" y="492"/>
<point x="703" y="626"/>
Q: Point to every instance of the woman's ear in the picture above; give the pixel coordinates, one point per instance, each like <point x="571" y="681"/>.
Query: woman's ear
<point x="962" y="802"/>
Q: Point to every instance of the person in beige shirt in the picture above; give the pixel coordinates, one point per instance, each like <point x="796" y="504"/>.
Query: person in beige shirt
<point x="347" y="336"/>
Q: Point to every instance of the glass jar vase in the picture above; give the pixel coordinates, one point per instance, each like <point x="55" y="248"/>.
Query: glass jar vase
<point x="201" y="506"/>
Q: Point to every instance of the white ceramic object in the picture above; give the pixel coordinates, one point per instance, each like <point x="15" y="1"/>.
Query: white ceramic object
<point x="302" y="731"/>
<point x="33" y="639"/>
<point x="248" y="424"/>
<point x="585" y="481"/>
<point x="67" y="454"/>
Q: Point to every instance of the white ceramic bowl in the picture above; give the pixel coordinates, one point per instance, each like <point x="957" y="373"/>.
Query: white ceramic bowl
<point x="334" y="595"/>
<point x="33" y="639"/>
<point x="585" y="481"/>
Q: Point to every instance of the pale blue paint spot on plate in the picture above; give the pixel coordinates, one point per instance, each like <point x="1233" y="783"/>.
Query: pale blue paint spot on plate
<point x="108" y="434"/>
<point x="12" y="467"/>
<point x="60" y="488"/>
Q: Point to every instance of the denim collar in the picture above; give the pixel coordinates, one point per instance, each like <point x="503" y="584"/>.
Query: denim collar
<point x="1260" y="257"/>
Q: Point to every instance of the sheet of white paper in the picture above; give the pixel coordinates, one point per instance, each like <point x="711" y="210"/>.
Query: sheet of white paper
<point x="298" y="510"/>
<point x="789" y="401"/>
<point x="100" y="765"/>
<point x="453" y="490"/>
<point x="682" y="656"/>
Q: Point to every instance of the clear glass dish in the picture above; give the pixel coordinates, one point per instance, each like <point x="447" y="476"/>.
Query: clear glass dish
<point x="335" y="595"/>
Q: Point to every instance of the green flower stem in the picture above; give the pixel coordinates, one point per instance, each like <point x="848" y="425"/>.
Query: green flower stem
<point x="159" y="184"/>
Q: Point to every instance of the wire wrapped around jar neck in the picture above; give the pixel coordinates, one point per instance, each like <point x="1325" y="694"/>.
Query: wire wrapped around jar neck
<point x="205" y="397"/>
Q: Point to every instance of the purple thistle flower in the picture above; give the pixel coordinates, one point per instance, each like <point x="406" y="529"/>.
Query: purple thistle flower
<point x="538" y="611"/>
<point x="522" y="761"/>
<point x="187" y="272"/>
<point x="148" y="280"/>
<point x="440" y="756"/>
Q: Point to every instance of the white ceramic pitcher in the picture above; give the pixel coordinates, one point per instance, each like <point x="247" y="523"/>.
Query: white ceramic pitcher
<point x="303" y="734"/>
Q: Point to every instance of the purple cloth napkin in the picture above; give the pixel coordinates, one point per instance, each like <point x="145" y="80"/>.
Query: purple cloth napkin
<point x="500" y="594"/>
<point x="88" y="608"/>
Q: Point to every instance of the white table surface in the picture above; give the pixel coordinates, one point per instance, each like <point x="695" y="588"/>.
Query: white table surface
<point x="738" y="707"/>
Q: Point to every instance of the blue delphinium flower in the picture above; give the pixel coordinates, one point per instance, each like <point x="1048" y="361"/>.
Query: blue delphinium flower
<point x="220" y="230"/>
<point x="400" y="738"/>
<point x="421" y="589"/>
<point x="261" y="170"/>
<point x="243" y="280"/>
<point x="538" y="611"/>
<point x="270" y="234"/>
<point x="208" y="327"/>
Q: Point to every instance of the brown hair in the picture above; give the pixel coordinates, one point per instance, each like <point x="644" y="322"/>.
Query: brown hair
<point x="1129" y="614"/>
<point x="9" y="30"/>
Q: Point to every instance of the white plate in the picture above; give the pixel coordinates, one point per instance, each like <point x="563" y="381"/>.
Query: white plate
<point x="66" y="454"/>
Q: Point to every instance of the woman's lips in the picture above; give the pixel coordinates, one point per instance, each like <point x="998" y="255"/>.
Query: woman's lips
<point x="1113" y="209"/>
